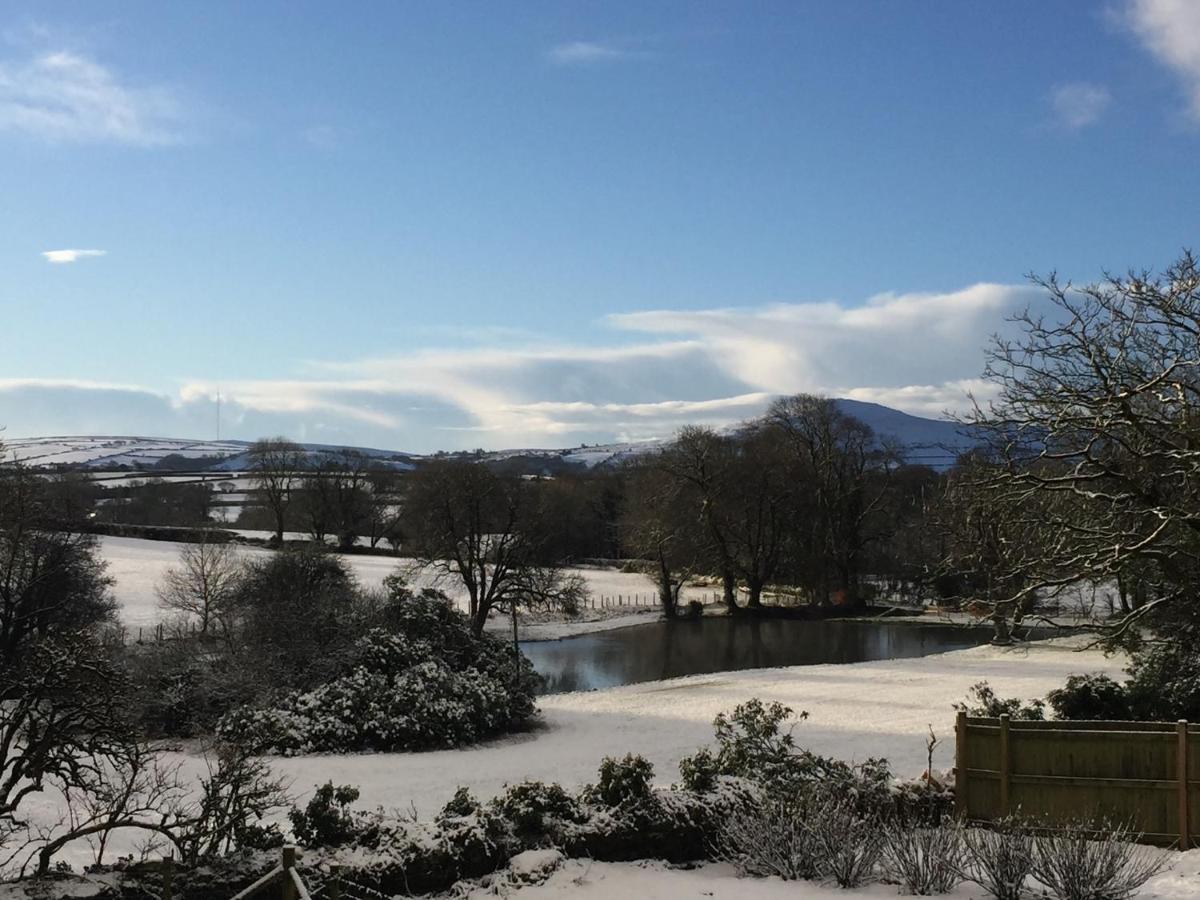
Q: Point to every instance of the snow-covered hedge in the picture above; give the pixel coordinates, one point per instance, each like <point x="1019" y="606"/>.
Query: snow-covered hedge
<point x="422" y="682"/>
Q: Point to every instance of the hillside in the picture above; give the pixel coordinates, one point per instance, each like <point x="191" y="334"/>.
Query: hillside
<point x="932" y="442"/>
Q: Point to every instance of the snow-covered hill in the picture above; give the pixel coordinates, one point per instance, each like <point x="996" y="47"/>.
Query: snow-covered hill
<point x="933" y="442"/>
<point x="163" y="454"/>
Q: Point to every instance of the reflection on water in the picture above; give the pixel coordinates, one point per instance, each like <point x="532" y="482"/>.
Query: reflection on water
<point x="658" y="650"/>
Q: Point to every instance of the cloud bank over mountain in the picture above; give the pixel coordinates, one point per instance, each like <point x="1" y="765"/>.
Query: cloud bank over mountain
<point x="658" y="370"/>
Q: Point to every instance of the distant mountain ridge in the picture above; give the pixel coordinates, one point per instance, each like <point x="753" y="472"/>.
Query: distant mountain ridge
<point x="933" y="442"/>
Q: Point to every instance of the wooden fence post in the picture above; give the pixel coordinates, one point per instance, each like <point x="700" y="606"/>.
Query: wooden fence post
<point x="960" y="765"/>
<point x="1181" y="772"/>
<point x="1005" y="766"/>
<point x="168" y="877"/>
<point x="335" y="883"/>
<point x="288" y="861"/>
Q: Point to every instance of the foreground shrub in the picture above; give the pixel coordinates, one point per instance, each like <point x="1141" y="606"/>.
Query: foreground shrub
<point x="624" y="782"/>
<point x="752" y="745"/>
<point x="772" y="836"/>
<point x="1093" y="860"/>
<point x="927" y="860"/>
<point x="327" y="821"/>
<point x="849" y="841"/>
<point x="1094" y="696"/>
<point x="999" y="859"/>
<point x="422" y="682"/>
<point x="537" y="810"/>
<point x="983" y="702"/>
<point x="1164" y="682"/>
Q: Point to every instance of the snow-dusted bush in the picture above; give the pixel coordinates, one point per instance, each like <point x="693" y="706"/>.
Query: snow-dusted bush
<point x="849" y="840"/>
<point x="999" y="859"/>
<point x="924" y="860"/>
<point x="327" y="820"/>
<point x="536" y="809"/>
<point x="982" y="701"/>
<point x="772" y="836"/>
<point x="1093" y="860"/>
<point x="1090" y="697"/>
<point x="424" y="681"/>
<point x="1164" y="680"/>
<point x="623" y="782"/>
<point x="752" y="744"/>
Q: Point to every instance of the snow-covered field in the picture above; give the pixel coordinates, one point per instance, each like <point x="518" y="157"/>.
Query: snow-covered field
<point x="855" y="711"/>
<point x="586" y="880"/>
<point x="137" y="566"/>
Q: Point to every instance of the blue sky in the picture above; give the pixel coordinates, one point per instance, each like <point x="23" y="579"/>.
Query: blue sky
<point x="441" y="225"/>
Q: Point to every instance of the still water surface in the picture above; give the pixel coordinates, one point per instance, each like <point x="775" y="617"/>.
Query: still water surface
<point x="658" y="650"/>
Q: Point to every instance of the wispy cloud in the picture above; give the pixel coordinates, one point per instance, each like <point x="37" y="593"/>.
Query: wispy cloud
<point x="1170" y="29"/>
<point x="69" y="256"/>
<point x="1079" y="104"/>
<point x="921" y="352"/>
<point x="583" y="53"/>
<point x="67" y="97"/>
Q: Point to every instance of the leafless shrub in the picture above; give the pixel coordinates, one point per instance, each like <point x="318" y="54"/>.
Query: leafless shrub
<point x="771" y="837"/>
<point x="927" y="860"/>
<point x="999" y="859"/>
<point x="1094" y="860"/>
<point x="849" y="843"/>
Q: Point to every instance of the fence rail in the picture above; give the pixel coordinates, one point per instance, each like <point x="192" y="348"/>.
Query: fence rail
<point x="1143" y="773"/>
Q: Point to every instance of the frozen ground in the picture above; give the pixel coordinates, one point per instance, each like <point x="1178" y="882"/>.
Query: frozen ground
<point x="584" y="880"/>
<point x="855" y="711"/>
<point x="137" y="566"/>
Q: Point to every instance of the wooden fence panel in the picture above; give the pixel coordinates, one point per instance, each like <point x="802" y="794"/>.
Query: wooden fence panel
<point x="1145" y="773"/>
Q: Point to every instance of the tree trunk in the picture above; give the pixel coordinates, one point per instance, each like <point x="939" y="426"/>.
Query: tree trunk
<point x="729" y="589"/>
<point x="666" y="590"/>
<point x="755" y="587"/>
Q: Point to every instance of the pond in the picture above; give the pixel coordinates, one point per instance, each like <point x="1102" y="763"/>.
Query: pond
<point x="657" y="650"/>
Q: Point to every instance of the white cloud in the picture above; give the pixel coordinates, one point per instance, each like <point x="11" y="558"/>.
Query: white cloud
<point x="920" y="352"/>
<point x="66" y="97"/>
<point x="576" y="53"/>
<point x="1079" y="104"/>
<point x="70" y="256"/>
<point x="1170" y="29"/>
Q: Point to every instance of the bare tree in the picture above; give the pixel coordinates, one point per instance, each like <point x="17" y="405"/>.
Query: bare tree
<point x="480" y="529"/>
<point x="842" y="471"/>
<point x="204" y="583"/>
<point x="701" y="462"/>
<point x="1097" y="403"/>
<point x="654" y="525"/>
<point x="276" y="464"/>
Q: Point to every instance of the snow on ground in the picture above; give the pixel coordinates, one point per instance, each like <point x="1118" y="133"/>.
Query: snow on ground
<point x="587" y="880"/>
<point x="856" y="711"/>
<point x="137" y="566"/>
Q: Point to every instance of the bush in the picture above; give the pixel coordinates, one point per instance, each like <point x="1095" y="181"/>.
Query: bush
<point x="327" y="820"/>
<point x="1094" y="696"/>
<point x="623" y="782"/>
<point x="999" y="859"/>
<point x="423" y="681"/>
<point x="1164" y="682"/>
<point x="752" y="745"/>
<point x="849" y="841"/>
<point x="772" y="837"/>
<point x="1093" y="860"/>
<point x="537" y="810"/>
<point x="927" y="860"/>
<point x="988" y="705"/>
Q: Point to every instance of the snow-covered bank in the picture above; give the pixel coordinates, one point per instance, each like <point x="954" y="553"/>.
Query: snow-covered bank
<point x="856" y="711"/>
<point x="137" y="566"/>
<point x="587" y="880"/>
